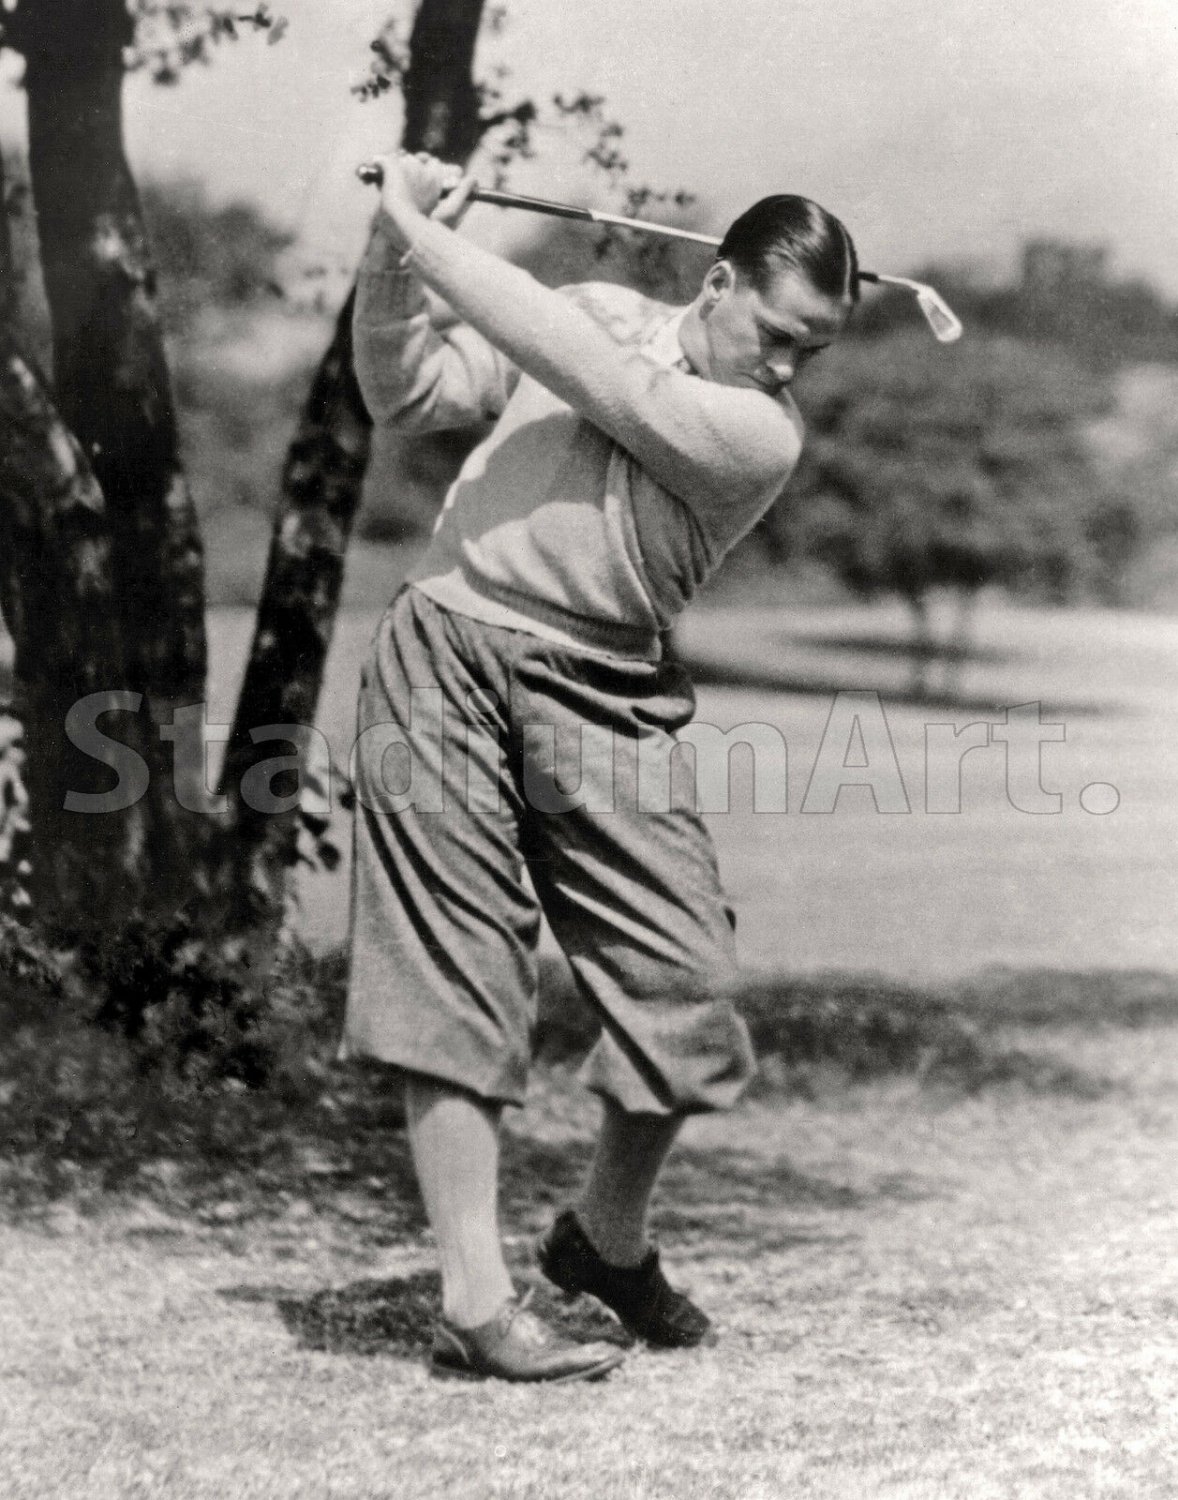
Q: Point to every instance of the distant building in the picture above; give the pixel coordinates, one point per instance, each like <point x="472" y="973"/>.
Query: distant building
<point x="1055" y="267"/>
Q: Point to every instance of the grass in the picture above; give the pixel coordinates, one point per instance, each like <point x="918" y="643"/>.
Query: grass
<point x="937" y="1238"/>
<point x="927" y="1285"/>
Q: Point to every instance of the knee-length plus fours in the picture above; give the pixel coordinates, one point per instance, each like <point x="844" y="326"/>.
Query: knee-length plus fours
<point x="484" y="752"/>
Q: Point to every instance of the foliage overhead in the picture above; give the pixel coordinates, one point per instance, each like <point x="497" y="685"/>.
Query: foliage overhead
<point x="172" y="36"/>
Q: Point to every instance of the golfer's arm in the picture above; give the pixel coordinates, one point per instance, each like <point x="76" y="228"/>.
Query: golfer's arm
<point x="416" y="373"/>
<point x="709" y="444"/>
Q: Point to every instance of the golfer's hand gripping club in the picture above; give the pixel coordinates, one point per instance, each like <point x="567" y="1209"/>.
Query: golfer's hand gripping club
<point x="945" y="324"/>
<point x="438" y="189"/>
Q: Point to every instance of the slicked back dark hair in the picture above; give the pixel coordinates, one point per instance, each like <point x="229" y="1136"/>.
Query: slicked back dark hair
<point x="788" y="232"/>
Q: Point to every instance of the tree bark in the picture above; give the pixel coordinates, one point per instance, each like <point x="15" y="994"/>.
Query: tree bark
<point x="7" y="342"/>
<point x="441" y="100"/>
<point x="321" y="485"/>
<point x="14" y="797"/>
<point x="112" y="384"/>
<point x="60" y="611"/>
<point x="57" y="604"/>
<point x="321" y="490"/>
<point x="7" y="266"/>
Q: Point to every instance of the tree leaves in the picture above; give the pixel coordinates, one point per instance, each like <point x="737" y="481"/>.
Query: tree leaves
<point x="170" y="36"/>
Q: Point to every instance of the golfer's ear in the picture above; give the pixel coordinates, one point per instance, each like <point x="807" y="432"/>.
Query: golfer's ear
<point x="720" y="278"/>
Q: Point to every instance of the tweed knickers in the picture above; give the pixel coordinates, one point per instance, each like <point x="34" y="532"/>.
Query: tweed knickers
<point x="483" y="752"/>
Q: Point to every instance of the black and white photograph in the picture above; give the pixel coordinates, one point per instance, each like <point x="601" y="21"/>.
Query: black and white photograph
<point x="588" y="756"/>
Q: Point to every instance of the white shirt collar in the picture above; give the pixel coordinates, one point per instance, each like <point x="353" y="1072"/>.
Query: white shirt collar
<point x="664" y="344"/>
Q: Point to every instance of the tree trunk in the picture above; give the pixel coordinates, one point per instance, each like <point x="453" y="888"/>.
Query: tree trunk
<point x="56" y="600"/>
<point x="441" y="100"/>
<point x="321" y="489"/>
<point x="7" y="266"/>
<point x="14" y="797"/>
<point x="61" y="613"/>
<point x="113" y="388"/>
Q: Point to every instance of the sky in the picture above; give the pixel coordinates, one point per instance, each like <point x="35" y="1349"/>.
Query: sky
<point x="937" y="129"/>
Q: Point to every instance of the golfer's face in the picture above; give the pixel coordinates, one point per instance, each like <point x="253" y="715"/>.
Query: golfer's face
<point x="763" y="339"/>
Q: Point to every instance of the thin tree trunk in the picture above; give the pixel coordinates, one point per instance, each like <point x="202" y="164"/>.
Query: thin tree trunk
<point x="8" y="305"/>
<point x="961" y="642"/>
<point x="923" y="644"/>
<point x="322" y="483"/>
<point x="112" y="383"/>
<point x="7" y="265"/>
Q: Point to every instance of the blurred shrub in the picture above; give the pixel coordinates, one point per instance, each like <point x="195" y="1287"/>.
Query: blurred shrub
<point x="210" y="254"/>
<point x="152" y="1042"/>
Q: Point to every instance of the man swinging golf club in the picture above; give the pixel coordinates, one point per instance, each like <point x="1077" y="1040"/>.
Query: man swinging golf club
<point x="633" y="445"/>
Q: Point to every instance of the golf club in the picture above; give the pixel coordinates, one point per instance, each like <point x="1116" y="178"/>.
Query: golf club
<point x="945" y="324"/>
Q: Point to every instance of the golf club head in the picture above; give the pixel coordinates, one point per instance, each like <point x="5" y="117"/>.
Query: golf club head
<point x="939" y="316"/>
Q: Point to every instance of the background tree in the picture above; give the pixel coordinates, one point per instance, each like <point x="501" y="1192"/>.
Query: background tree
<point x="57" y="599"/>
<point x="953" y="472"/>
<point x="112" y="392"/>
<point x="112" y="382"/>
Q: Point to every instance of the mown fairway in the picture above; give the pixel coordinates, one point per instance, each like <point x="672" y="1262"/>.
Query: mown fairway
<point x="919" y="893"/>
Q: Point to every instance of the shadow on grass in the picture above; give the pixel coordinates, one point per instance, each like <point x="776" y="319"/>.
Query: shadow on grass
<point x="722" y="1203"/>
<point x="895" y="649"/>
<point x="394" y="1317"/>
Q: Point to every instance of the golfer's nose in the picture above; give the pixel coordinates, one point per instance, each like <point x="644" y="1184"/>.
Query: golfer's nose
<point x="783" y="367"/>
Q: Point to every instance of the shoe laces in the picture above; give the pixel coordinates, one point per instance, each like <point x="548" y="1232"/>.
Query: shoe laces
<point x="528" y="1327"/>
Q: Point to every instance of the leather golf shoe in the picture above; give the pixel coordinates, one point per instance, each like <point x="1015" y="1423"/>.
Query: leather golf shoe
<point x="516" y="1344"/>
<point x="640" y="1295"/>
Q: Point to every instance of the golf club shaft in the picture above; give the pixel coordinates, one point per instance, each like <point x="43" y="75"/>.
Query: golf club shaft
<point x="592" y="215"/>
<point x="370" y="172"/>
